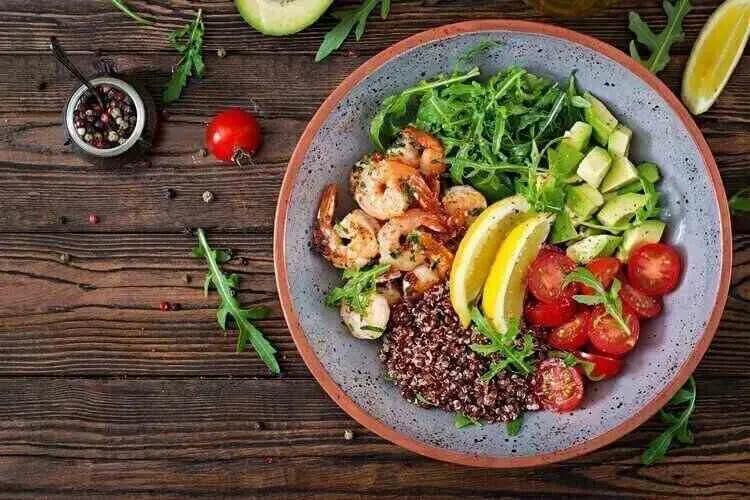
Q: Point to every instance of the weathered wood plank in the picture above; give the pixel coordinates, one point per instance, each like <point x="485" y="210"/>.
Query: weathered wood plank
<point x="201" y="436"/>
<point x="99" y="314"/>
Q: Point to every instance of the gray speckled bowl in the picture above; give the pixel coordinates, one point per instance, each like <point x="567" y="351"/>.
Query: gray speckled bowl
<point x="670" y="346"/>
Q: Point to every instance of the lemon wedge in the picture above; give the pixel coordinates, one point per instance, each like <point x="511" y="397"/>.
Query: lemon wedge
<point x="715" y="55"/>
<point x="477" y="251"/>
<point x="505" y="288"/>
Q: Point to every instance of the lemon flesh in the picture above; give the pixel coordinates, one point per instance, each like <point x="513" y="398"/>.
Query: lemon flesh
<point x="715" y="55"/>
<point x="477" y="251"/>
<point x="281" y="17"/>
<point x="505" y="289"/>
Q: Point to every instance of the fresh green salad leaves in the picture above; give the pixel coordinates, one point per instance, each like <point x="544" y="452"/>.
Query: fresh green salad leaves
<point x="460" y="421"/>
<point x="513" y="428"/>
<point x="188" y="41"/>
<point x="659" y="44"/>
<point x="131" y="13"/>
<point x="676" y="415"/>
<point x="495" y="132"/>
<point x="740" y="202"/>
<point x="225" y="286"/>
<point x="610" y="299"/>
<point x="504" y="343"/>
<point x="358" y="289"/>
<point x="349" y="17"/>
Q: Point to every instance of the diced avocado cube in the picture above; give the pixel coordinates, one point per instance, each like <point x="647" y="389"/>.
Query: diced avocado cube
<point x="583" y="200"/>
<point x="649" y="232"/>
<point x="578" y="136"/>
<point x="564" y="161"/>
<point x="609" y="196"/>
<point x="593" y="246"/>
<point x="563" y="229"/>
<point x="620" y="209"/>
<point x="619" y="141"/>
<point x="601" y="120"/>
<point x="594" y="166"/>
<point x="621" y="173"/>
<point x="649" y="171"/>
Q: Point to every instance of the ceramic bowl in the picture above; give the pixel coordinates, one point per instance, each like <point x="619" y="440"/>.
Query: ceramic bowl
<point x="670" y="346"/>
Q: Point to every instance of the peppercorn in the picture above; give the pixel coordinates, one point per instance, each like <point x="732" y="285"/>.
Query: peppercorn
<point x="221" y="52"/>
<point x="169" y="194"/>
<point x="208" y="196"/>
<point x="348" y="434"/>
<point x="64" y="258"/>
<point x="165" y="306"/>
<point x="93" y="219"/>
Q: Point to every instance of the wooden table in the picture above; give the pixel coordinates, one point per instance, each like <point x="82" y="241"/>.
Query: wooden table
<point x="102" y="393"/>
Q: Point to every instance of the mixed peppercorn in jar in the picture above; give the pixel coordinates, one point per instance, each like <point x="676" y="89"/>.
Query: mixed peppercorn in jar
<point x="109" y="127"/>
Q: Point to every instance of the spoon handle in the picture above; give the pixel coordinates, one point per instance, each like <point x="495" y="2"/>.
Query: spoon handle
<point x="62" y="56"/>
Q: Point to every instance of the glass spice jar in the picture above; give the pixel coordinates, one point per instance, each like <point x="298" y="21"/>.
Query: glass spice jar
<point x="118" y="134"/>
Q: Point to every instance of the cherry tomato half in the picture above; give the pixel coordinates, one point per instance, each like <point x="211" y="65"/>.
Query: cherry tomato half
<point x="546" y="276"/>
<point x="644" y="305"/>
<point x="608" y="337"/>
<point x="558" y="387"/>
<point x="549" y="314"/>
<point x="571" y="335"/>
<point x="654" y="268"/>
<point x="233" y="135"/>
<point x="600" y="367"/>
<point x="604" y="269"/>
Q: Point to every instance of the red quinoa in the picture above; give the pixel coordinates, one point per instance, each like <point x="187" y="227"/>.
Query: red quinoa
<point x="426" y="354"/>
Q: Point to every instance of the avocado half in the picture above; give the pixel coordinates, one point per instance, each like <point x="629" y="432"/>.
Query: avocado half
<point x="281" y="17"/>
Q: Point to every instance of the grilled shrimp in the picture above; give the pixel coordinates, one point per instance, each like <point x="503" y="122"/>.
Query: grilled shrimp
<point x="400" y="241"/>
<point x="372" y="323"/>
<point x="420" y="150"/>
<point x="350" y="243"/>
<point x="436" y="268"/>
<point x="463" y="204"/>
<point x="384" y="187"/>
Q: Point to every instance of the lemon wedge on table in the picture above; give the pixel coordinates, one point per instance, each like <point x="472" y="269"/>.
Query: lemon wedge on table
<point x="477" y="251"/>
<point x="505" y="288"/>
<point x="715" y="54"/>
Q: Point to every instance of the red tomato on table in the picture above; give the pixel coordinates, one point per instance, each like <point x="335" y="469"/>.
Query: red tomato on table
<point x="654" y="269"/>
<point x="558" y="387"/>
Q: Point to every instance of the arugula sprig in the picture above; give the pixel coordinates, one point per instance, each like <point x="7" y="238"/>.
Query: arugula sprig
<point x="358" y="289"/>
<point x="348" y="18"/>
<point x="504" y="343"/>
<point x="460" y="421"/>
<point x="225" y="286"/>
<point x="740" y="202"/>
<point x="659" y="44"/>
<point x="513" y="428"/>
<point x="188" y="41"/>
<point x="676" y="414"/>
<point x="610" y="299"/>
<point x="571" y="359"/>
<point x="131" y="13"/>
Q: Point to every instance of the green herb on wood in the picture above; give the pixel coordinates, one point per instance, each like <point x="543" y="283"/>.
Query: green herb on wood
<point x="350" y="18"/>
<point x="358" y="289"/>
<point x="188" y="41"/>
<point x="610" y="299"/>
<point x="131" y="13"/>
<point x="740" y="202"/>
<point x="229" y="306"/>
<point x="676" y="415"/>
<point x="658" y="44"/>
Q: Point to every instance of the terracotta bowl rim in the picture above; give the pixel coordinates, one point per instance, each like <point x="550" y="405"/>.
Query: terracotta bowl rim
<point x="391" y="434"/>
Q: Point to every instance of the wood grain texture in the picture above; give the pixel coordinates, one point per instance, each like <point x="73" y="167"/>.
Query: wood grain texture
<point x="102" y="394"/>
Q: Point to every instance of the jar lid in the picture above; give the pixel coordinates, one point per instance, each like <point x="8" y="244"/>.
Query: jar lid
<point x="140" y="114"/>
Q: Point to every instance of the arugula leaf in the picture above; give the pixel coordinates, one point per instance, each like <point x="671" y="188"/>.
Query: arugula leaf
<point x="513" y="428"/>
<point x="505" y="344"/>
<point x="476" y="50"/>
<point x="676" y="415"/>
<point x="740" y="202"/>
<point x="225" y="286"/>
<point x="348" y="19"/>
<point x="660" y="44"/>
<point x="609" y="299"/>
<point x="572" y="360"/>
<point x="460" y="421"/>
<point x="188" y="41"/>
<point x="652" y="209"/>
<point x="358" y="289"/>
<point x="131" y="13"/>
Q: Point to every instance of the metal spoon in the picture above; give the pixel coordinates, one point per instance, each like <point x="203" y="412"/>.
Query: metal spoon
<point x="62" y="56"/>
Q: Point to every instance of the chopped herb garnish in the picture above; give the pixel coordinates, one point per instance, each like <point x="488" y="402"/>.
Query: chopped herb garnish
<point x="513" y="428"/>
<point x="676" y="414"/>
<point x="358" y="289"/>
<point x="504" y="344"/>
<point x="225" y="286"/>
<point x="659" y="44"/>
<point x="371" y="328"/>
<point x="609" y="299"/>
<point x="460" y="421"/>
<point x="423" y="400"/>
<point x="188" y="41"/>
<point x="571" y="360"/>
